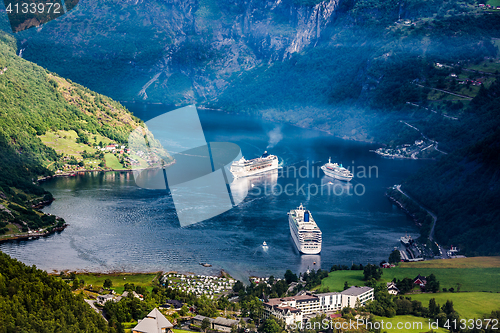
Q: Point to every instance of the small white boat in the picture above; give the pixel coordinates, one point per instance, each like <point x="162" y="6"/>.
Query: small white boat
<point x="264" y="244"/>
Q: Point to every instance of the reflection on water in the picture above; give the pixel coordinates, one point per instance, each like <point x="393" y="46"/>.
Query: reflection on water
<point x="308" y="262"/>
<point x="115" y="225"/>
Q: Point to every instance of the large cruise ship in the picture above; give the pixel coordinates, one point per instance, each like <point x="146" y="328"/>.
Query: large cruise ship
<point x="305" y="233"/>
<point x="336" y="171"/>
<point x="243" y="167"/>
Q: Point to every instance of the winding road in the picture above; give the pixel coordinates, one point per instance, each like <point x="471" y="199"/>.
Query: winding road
<point x="434" y="219"/>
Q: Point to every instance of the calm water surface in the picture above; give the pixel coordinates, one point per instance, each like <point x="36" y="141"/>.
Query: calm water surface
<point x="114" y="225"/>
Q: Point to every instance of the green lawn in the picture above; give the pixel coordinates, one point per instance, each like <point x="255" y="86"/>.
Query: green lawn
<point x="64" y="142"/>
<point x="487" y="66"/>
<point x="335" y="280"/>
<point x="468" y="305"/>
<point x="493" y="2"/>
<point x="112" y="162"/>
<point x="471" y="279"/>
<point x="413" y="324"/>
<point x="118" y="280"/>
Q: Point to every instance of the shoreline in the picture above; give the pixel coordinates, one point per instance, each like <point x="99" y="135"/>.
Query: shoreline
<point x="76" y="173"/>
<point x="33" y="236"/>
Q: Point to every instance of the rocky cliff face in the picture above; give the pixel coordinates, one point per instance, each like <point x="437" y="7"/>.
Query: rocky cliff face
<point x="174" y="51"/>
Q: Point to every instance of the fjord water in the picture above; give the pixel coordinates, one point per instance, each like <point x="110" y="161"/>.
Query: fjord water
<point x="117" y="226"/>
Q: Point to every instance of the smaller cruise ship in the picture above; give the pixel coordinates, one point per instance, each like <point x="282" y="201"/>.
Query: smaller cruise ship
<point x="336" y="171"/>
<point x="305" y="232"/>
<point x="244" y="168"/>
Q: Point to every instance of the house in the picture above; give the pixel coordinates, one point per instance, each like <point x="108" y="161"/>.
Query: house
<point x="197" y="320"/>
<point x="392" y="288"/>
<point x="293" y="309"/>
<point x="173" y="302"/>
<point x="353" y="296"/>
<point x="223" y="324"/>
<point x="420" y="280"/>
<point x="102" y="299"/>
<point x="154" y="322"/>
<point x="282" y="310"/>
<point x="126" y="293"/>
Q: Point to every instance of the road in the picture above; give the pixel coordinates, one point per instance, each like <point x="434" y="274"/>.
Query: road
<point x="446" y="92"/>
<point x="91" y="303"/>
<point x="434" y="220"/>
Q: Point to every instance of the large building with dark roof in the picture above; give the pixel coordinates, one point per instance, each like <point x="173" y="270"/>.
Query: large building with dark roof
<point x="293" y="309"/>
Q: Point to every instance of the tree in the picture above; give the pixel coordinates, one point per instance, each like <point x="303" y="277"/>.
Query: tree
<point x="238" y="286"/>
<point x="372" y="272"/>
<point x="448" y="307"/>
<point x="107" y="283"/>
<point x="433" y="308"/>
<point x="346" y="285"/>
<point x="205" y="324"/>
<point x="271" y="326"/>
<point x="395" y="257"/>
<point x="290" y="277"/>
<point x="432" y="284"/>
<point x="184" y="310"/>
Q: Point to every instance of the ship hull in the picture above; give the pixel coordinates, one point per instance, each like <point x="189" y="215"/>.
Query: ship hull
<point x="244" y="172"/>
<point x="302" y="247"/>
<point x="335" y="175"/>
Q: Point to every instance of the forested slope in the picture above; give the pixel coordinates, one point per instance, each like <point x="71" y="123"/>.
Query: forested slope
<point x="33" y="301"/>
<point x="35" y="103"/>
<point x="463" y="187"/>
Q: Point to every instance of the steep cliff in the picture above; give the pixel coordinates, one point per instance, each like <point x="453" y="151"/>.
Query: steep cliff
<point x="173" y="51"/>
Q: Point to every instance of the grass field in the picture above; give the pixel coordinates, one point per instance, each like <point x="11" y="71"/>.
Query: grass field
<point x="119" y="279"/>
<point x="480" y="274"/>
<point x="413" y="324"/>
<point x="473" y="262"/>
<point x="64" y="142"/>
<point x="468" y="305"/>
<point x="180" y="331"/>
<point x="112" y="162"/>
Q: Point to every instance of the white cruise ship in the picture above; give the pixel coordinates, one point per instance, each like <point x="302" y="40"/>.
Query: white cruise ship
<point x="305" y="233"/>
<point x="336" y="171"/>
<point x="243" y="168"/>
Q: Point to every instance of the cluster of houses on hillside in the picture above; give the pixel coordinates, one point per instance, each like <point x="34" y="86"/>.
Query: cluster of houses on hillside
<point x="102" y="299"/>
<point x="292" y="309"/>
<point x="114" y="148"/>
<point x="210" y="286"/>
<point x="482" y="5"/>
<point x="301" y="307"/>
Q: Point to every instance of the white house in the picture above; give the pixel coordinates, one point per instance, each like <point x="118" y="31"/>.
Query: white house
<point x="351" y="296"/>
<point x="392" y="289"/>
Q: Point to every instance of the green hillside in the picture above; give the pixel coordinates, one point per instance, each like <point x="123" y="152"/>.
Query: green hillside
<point x="48" y="126"/>
<point x="33" y="301"/>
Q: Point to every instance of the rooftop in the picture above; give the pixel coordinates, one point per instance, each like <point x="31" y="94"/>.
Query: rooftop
<point x="153" y="323"/>
<point x="356" y="291"/>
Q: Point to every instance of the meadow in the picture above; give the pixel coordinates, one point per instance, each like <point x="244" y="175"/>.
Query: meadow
<point x="119" y="279"/>
<point x="478" y="274"/>
<point x="468" y="305"/>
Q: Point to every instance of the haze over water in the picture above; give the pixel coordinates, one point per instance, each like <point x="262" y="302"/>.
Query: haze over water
<point x="115" y="225"/>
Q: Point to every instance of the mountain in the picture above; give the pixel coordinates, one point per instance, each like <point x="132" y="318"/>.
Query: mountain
<point x="48" y="126"/>
<point x="416" y="76"/>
